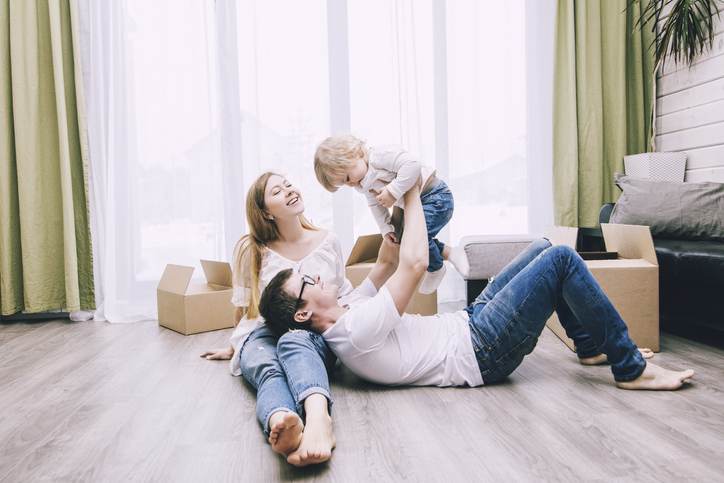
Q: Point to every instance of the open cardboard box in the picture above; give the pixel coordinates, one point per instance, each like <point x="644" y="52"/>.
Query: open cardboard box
<point x="190" y="308"/>
<point x="631" y="282"/>
<point x="361" y="260"/>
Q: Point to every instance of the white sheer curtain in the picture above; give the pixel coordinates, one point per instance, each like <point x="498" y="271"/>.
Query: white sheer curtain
<point x="189" y="100"/>
<point x="391" y="81"/>
<point x="156" y="173"/>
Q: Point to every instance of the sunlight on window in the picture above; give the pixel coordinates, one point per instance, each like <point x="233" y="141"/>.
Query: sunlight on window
<point x="174" y="166"/>
<point x="487" y="116"/>
<point x="391" y="84"/>
<point x="391" y="75"/>
<point x="174" y="170"/>
<point x="284" y="91"/>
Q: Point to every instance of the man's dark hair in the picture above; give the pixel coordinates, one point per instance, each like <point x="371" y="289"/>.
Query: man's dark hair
<point x="278" y="307"/>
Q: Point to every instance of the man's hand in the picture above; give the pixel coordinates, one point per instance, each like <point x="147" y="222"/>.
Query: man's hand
<point x="390" y="236"/>
<point x="219" y="354"/>
<point x="389" y="251"/>
<point x="385" y="199"/>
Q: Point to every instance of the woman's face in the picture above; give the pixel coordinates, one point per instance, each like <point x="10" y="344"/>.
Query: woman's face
<point x="282" y="199"/>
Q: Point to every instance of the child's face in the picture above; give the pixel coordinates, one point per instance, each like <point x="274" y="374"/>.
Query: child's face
<point x="356" y="172"/>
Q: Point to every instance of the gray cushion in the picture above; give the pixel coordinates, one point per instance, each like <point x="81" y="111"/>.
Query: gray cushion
<point x="488" y="254"/>
<point x="687" y="211"/>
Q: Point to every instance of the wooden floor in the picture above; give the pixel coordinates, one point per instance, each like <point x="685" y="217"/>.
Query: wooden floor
<point x="98" y="402"/>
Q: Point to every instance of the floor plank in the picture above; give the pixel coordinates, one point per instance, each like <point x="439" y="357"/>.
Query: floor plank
<point x="101" y="402"/>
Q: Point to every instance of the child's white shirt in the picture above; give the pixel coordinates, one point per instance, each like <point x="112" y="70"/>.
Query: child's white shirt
<point x="325" y="260"/>
<point x="390" y="167"/>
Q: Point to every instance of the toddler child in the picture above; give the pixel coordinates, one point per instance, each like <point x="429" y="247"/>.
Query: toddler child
<point x="383" y="175"/>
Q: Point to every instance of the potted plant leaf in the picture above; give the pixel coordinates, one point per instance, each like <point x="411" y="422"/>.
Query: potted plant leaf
<point x="686" y="33"/>
<point x="683" y="35"/>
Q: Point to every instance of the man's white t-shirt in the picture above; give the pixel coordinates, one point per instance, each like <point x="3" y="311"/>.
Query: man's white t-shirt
<point x="379" y="345"/>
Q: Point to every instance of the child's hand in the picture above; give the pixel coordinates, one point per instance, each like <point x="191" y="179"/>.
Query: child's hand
<point x="385" y="198"/>
<point x="390" y="236"/>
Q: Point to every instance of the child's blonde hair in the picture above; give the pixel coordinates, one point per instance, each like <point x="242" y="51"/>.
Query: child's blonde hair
<point x="334" y="156"/>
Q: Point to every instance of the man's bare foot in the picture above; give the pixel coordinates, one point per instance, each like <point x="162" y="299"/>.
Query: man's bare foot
<point x="657" y="378"/>
<point x="285" y="432"/>
<point x="602" y="359"/>
<point x="317" y="443"/>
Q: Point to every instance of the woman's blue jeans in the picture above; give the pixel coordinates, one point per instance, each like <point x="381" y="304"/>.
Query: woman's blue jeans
<point x="263" y="366"/>
<point x="509" y="315"/>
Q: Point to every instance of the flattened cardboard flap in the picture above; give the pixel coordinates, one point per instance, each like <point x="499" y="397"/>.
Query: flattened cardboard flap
<point x="562" y="235"/>
<point x="630" y="241"/>
<point x="217" y="273"/>
<point x="175" y="278"/>
<point x="365" y="249"/>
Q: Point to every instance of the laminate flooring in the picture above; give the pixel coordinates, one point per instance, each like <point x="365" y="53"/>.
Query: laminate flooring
<point x="94" y="402"/>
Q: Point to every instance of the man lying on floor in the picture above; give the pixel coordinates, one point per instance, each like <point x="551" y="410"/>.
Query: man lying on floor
<point x="374" y="338"/>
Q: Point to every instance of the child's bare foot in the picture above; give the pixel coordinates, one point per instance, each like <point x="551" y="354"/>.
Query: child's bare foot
<point x="317" y="443"/>
<point x="657" y="378"/>
<point x="285" y="432"/>
<point x="602" y="359"/>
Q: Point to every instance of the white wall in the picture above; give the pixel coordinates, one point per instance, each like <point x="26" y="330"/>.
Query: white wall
<point x="690" y="111"/>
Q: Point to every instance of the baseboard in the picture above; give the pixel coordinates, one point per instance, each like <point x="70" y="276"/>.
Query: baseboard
<point x="21" y="317"/>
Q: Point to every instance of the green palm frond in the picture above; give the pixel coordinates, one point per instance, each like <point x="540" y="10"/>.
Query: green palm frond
<point x="685" y="34"/>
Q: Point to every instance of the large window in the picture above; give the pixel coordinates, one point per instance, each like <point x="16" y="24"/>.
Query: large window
<point x="392" y="70"/>
<point x="168" y="207"/>
<point x="284" y="93"/>
<point x="487" y="116"/>
<point x="391" y="81"/>
<point x="190" y="100"/>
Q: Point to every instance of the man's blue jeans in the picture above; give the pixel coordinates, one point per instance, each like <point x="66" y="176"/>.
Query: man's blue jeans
<point x="508" y="316"/>
<point x="437" y="205"/>
<point x="263" y="367"/>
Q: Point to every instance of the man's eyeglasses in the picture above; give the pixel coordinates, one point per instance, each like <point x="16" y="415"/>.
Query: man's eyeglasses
<point x="306" y="280"/>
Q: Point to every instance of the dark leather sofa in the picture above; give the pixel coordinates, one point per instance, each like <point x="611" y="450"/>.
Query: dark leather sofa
<point x="691" y="281"/>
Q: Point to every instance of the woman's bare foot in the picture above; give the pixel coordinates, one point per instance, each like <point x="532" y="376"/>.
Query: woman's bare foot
<point x="317" y="442"/>
<point x="657" y="378"/>
<point x="602" y="359"/>
<point x="285" y="432"/>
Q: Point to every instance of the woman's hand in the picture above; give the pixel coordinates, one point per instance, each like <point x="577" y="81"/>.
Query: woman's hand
<point x="219" y="354"/>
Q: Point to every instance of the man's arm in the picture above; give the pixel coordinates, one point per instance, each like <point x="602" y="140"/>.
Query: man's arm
<point x="387" y="261"/>
<point x="413" y="253"/>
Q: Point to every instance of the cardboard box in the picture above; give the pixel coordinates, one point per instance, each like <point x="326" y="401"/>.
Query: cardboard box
<point x="361" y="260"/>
<point x="190" y="308"/>
<point x="631" y="282"/>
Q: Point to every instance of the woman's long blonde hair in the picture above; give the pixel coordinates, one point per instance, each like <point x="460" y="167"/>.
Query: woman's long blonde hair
<point x="249" y="250"/>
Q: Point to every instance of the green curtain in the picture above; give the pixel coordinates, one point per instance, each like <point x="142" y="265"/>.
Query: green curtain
<point x="45" y="247"/>
<point x="604" y="83"/>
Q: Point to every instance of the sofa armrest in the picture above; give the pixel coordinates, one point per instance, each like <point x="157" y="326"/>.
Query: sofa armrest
<point x="605" y="214"/>
<point x="488" y="254"/>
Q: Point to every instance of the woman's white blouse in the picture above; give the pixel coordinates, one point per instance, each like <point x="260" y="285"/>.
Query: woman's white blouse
<point x="325" y="261"/>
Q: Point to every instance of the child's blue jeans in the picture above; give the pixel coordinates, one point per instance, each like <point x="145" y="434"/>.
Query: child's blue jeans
<point x="438" y="206"/>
